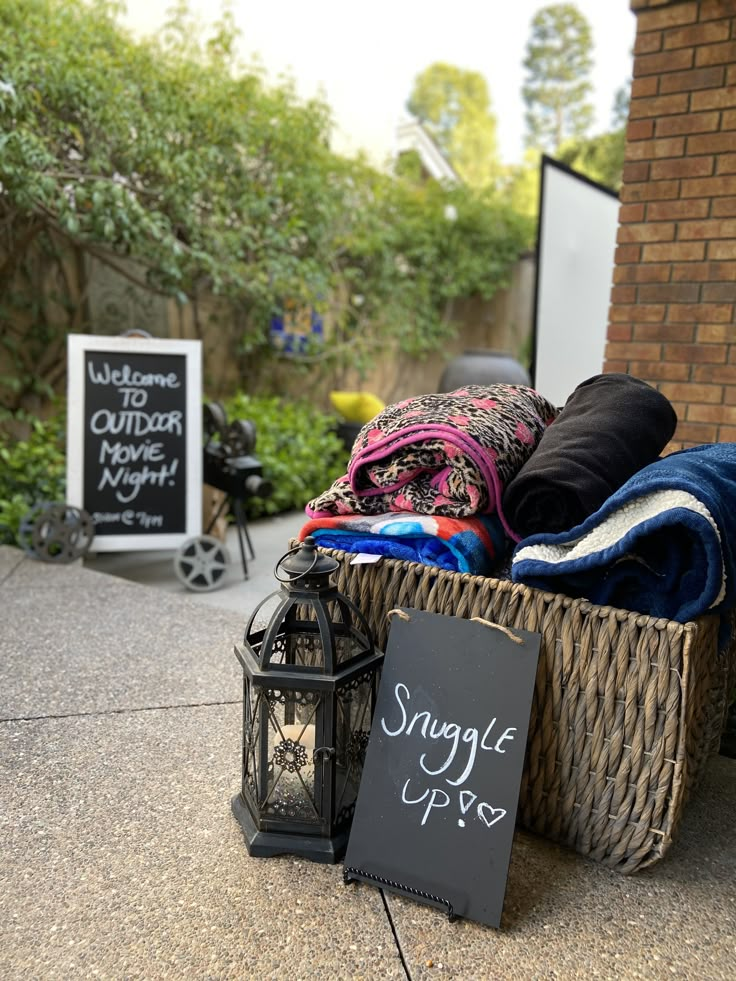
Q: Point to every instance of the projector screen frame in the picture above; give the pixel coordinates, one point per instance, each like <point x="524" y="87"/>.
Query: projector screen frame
<point x="545" y="163"/>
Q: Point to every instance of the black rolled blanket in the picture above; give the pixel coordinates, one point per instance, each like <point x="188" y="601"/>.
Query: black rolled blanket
<point x="610" y="427"/>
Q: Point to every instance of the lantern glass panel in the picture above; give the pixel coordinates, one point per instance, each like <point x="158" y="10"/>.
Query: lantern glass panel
<point x="347" y="643"/>
<point x="353" y="722"/>
<point x="299" y="650"/>
<point x="279" y="770"/>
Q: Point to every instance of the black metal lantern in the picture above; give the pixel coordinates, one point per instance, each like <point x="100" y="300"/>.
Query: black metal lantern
<point x="310" y="679"/>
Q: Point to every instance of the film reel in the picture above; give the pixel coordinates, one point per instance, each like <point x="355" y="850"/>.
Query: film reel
<point x="57" y="533"/>
<point x="240" y="437"/>
<point x="214" y="418"/>
<point x="25" y="530"/>
<point x="201" y="563"/>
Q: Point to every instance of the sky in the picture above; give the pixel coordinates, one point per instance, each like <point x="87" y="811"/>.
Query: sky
<point x="362" y="58"/>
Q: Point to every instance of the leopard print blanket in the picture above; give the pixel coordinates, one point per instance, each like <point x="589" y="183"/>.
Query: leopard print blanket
<point x="449" y="454"/>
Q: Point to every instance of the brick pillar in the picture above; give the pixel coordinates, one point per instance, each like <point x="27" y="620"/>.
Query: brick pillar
<point x="672" y="319"/>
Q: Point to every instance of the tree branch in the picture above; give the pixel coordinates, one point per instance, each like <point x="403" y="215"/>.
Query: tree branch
<point x="73" y="175"/>
<point x="20" y="247"/>
<point x="107" y="260"/>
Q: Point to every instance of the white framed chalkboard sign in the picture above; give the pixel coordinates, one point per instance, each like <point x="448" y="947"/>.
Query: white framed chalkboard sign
<point x="134" y="439"/>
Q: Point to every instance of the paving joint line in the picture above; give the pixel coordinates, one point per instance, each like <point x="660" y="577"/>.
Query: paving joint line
<point x="391" y="923"/>
<point x="11" y="572"/>
<point x="121" y="711"/>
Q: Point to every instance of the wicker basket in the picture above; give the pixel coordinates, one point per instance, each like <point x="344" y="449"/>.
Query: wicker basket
<point x="626" y="708"/>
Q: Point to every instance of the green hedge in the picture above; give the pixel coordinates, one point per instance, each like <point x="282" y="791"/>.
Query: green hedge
<point x="31" y="470"/>
<point x="298" y="447"/>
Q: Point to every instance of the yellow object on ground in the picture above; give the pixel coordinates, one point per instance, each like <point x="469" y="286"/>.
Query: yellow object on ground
<point x="356" y="406"/>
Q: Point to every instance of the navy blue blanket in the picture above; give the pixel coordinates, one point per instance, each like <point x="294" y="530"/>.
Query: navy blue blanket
<point x="662" y="544"/>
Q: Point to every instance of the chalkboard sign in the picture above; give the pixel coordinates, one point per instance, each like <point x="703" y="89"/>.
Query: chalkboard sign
<point x="134" y="439"/>
<point x="436" y="810"/>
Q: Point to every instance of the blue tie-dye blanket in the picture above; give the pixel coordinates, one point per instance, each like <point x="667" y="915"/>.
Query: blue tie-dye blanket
<point x="663" y="544"/>
<point x="458" y="544"/>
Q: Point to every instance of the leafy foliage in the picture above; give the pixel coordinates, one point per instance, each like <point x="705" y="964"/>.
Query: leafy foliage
<point x="170" y="153"/>
<point x="117" y="148"/>
<point x="410" y="251"/>
<point x="601" y="157"/>
<point x="298" y="447"/>
<point x="454" y="105"/>
<point x="522" y="185"/>
<point x="621" y="104"/>
<point x="32" y="470"/>
<point x="558" y="63"/>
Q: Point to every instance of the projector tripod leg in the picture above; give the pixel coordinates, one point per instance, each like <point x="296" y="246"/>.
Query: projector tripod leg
<point x="220" y="508"/>
<point x="243" y="535"/>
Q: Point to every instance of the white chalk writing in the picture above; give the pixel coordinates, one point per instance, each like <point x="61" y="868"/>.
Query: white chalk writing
<point x="118" y="454"/>
<point x="437" y="799"/>
<point x="133" y="422"/>
<point x="129" y="518"/>
<point x="134" y="480"/>
<point x="129" y="454"/>
<point x="453" y="759"/>
<point x="437" y="729"/>
<point x="126" y="376"/>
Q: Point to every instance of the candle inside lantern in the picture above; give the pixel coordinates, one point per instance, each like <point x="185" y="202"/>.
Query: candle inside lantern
<point x="293" y="760"/>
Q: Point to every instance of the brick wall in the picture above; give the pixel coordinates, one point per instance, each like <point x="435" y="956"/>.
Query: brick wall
<point x="672" y="319"/>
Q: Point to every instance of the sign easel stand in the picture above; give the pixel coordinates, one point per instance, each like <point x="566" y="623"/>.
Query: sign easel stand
<point x="354" y="875"/>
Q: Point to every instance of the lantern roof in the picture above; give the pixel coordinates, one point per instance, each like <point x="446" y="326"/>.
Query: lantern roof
<point x="314" y="629"/>
<point x="305" y="561"/>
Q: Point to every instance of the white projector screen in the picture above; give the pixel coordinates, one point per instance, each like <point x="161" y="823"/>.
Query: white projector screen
<point x="576" y="241"/>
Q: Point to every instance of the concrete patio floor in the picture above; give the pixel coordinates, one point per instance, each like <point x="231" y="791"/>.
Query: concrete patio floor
<point x="119" y="748"/>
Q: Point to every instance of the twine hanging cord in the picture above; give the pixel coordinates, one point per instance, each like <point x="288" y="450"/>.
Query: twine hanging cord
<point x="403" y="615"/>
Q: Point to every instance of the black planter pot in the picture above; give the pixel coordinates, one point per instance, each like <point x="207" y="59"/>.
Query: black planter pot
<point x="483" y="367"/>
<point x="347" y="431"/>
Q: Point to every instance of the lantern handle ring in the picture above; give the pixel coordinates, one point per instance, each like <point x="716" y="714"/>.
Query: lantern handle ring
<point x="299" y="575"/>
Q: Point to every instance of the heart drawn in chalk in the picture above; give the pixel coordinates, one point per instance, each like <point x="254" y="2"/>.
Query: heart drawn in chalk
<point x="490" y="815"/>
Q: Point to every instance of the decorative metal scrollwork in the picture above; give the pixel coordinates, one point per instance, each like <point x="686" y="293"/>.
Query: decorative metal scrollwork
<point x="345" y="814"/>
<point x="346" y="690"/>
<point x="357" y="747"/>
<point x="275" y="696"/>
<point x="290" y="756"/>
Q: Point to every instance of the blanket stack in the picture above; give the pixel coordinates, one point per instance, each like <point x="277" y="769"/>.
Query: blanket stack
<point x="441" y="456"/>
<point x="662" y="544"/>
<point x="602" y="517"/>
<point x="452" y="480"/>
